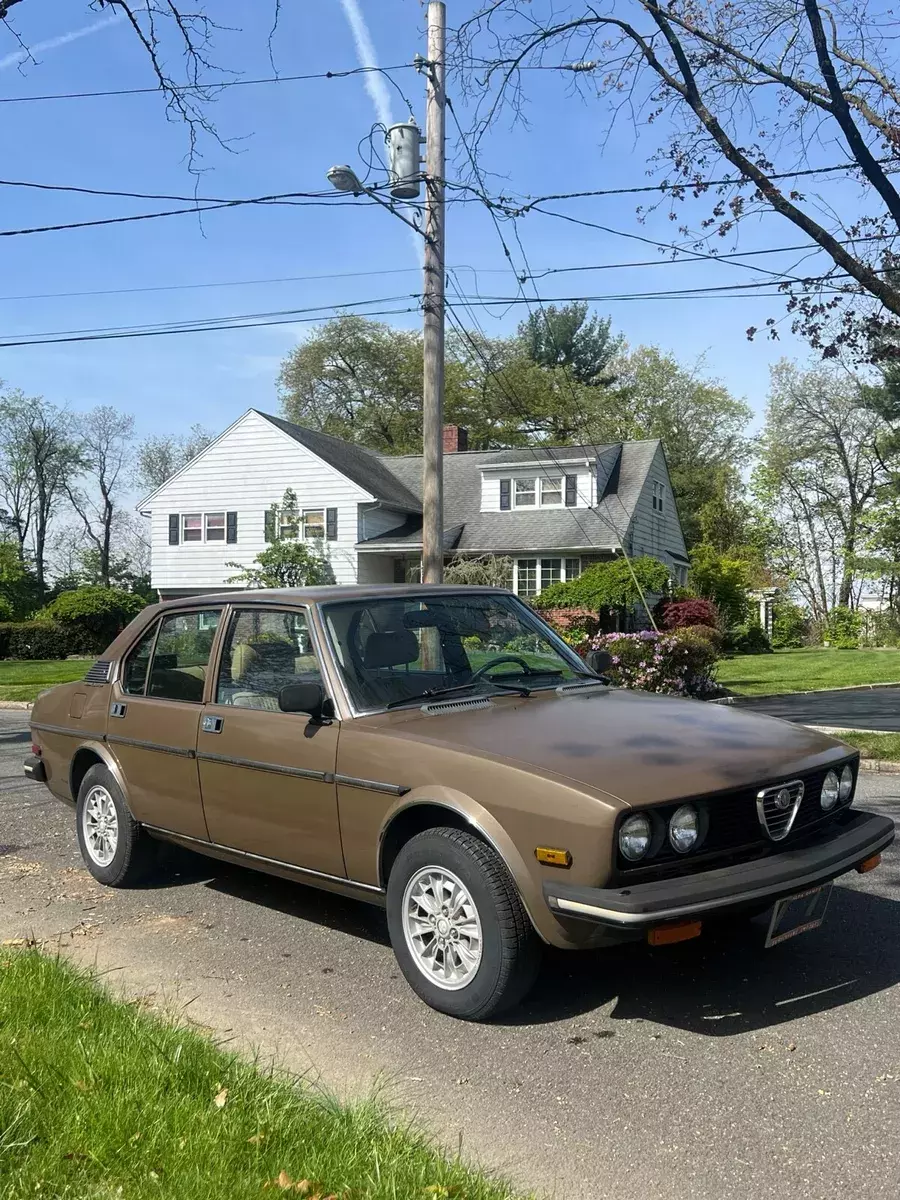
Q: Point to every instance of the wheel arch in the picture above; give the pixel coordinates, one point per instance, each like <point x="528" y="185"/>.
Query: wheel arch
<point x="414" y="815"/>
<point x="91" y="754"/>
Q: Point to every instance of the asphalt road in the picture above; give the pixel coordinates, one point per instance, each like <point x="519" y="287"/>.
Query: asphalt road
<point x="878" y="708"/>
<point x="709" y="1070"/>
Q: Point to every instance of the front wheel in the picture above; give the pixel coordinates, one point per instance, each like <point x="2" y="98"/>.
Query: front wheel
<point x="458" y="928"/>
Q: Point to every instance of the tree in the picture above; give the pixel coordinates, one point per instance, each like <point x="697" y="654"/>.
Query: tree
<point x="17" y="582"/>
<point x="819" y="475"/>
<point x="37" y="438"/>
<point x="702" y="426"/>
<point x="105" y="453"/>
<point x="16" y="478"/>
<point x="566" y="337"/>
<point x="287" y="562"/>
<point x="484" y="570"/>
<point x="737" y="101"/>
<point x="159" y="457"/>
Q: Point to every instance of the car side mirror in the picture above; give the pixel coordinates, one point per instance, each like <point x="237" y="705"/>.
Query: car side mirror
<point x="306" y="698"/>
<point x="598" y="661"/>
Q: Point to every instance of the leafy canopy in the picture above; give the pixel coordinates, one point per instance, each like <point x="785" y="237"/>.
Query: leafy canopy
<point x="608" y="585"/>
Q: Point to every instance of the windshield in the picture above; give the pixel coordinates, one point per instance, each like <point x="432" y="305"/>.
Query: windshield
<point x="392" y="651"/>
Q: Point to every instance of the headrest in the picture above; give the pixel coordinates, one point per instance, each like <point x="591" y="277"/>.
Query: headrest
<point x="261" y="657"/>
<point x="391" y="648"/>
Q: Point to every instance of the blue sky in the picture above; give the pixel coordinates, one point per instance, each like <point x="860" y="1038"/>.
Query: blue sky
<point x="286" y="136"/>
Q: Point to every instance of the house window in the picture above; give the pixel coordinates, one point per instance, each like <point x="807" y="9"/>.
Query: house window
<point x="532" y="575"/>
<point x="192" y="527"/>
<point x="313" y="524"/>
<point x="526" y="493"/>
<point x="551" y="571"/>
<point x="526" y="577"/>
<point x="551" y="491"/>
<point x="658" y="494"/>
<point x="215" y="527"/>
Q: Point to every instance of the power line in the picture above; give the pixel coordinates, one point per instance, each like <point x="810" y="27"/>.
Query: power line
<point x="204" y="88"/>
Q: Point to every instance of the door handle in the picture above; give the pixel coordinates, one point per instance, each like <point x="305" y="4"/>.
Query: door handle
<point x="118" y="709"/>
<point x="212" y="724"/>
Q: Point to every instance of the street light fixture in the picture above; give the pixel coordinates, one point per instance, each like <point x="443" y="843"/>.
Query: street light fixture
<point x="345" y="179"/>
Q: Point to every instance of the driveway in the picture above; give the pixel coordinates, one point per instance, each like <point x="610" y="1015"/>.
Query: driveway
<point x="868" y="708"/>
<point x="708" y="1070"/>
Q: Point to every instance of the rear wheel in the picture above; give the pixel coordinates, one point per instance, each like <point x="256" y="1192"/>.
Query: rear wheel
<point x="115" y="849"/>
<point x="458" y="928"/>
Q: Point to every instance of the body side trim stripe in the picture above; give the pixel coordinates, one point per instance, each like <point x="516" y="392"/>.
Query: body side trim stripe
<point x="372" y="785"/>
<point x="179" y="751"/>
<point x="274" y="768"/>
<point x="87" y="734"/>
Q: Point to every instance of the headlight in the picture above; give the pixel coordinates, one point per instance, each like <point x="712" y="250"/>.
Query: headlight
<point x="846" y="782"/>
<point x="831" y="792"/>
<point x="684" y="829"/>
<point x="634" y="837"/>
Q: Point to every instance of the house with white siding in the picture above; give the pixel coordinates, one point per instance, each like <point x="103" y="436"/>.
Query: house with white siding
<point x="553" y="511"/>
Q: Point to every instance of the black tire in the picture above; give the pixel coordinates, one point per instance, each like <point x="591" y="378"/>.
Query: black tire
<point x="136" y="854"/>
<point x="511" y="951"/>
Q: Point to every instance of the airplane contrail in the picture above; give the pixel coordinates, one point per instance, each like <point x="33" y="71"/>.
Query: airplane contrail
<point x="22" y="55"/>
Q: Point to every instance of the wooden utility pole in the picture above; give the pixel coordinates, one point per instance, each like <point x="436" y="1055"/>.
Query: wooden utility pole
<point x="433" y="304"/>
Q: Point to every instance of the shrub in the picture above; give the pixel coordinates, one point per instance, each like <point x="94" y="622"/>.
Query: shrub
<point x="574" y="625"/>
<point x="842" y="628"/>
<point x="679" y="614"/>
<point x="284" y="564"/>
<point x="883" y="628"/>
<point x="40" y="639"/>
<point x="6" y="610"/>
<point x="96" y="614"/>
<point x="749" y="638"/>
<point x="714" y="636"/>
<point x="487" y="570"/>
<point x="790" y="627"/>
<point x="680" y="663"/>
<point x="607" y="585"/>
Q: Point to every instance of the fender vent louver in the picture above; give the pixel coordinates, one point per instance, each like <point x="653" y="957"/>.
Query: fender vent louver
<point x="449" y="706"/>
<point x="98" y="674"/>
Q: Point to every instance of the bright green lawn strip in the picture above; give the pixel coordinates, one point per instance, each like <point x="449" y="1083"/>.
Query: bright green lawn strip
<point x="22" y="680"/>
<point x="807" y="670"/>
<point x="100" y="1100"/>
<point x="884" y="747"/>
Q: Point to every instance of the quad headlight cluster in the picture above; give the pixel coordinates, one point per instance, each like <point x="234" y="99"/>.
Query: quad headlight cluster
<point x="836" y="789"/>
<point x="636" y="833"/>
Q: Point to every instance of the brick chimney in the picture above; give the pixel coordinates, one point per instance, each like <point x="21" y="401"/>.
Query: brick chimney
<point x="455" y="438"/>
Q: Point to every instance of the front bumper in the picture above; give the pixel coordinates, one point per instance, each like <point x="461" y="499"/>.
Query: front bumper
<point x="744" y="885"/>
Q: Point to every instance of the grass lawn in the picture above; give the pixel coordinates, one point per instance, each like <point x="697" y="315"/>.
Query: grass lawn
<point x="98" y="1099"/>
<point x="22" y="680"/>
<point x="807" y="670"/>
<point x="884" y="747"/>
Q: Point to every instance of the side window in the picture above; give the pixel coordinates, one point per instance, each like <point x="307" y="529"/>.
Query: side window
<point x="134" y="675"/>
<point x="264" y="651"/>
<point x="181" y="658"/>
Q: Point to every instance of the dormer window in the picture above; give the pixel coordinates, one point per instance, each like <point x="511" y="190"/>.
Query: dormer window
<point x="551" y="490"/>
<point x="526" y="493"/>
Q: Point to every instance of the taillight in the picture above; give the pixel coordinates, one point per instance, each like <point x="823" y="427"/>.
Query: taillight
<point x="36" y="750"/>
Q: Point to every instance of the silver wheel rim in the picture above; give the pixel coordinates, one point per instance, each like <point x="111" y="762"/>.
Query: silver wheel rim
<point x="442" y="928"/>
<point x="100" y="825"/>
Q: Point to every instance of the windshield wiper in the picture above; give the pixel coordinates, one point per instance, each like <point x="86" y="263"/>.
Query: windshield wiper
<point x="433" y="693"/>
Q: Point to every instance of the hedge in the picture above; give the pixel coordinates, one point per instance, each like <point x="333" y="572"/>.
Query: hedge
<point x="41" y="639"/>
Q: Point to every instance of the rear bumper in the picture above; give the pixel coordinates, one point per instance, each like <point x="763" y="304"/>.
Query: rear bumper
<point x="34" y="768"/>
<point x="715" y="892"/>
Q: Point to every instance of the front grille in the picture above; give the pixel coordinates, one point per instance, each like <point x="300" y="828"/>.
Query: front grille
<point x="98" y="674"/>
<point x="735" y="829"/>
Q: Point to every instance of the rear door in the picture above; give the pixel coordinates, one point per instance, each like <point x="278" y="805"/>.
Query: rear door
<point x="154" y="715"/>
<point x="267" y="776"/>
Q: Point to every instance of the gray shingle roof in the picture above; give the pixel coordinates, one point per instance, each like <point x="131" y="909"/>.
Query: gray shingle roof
<point x="363" y="467"/>
<point x="601" y="528"/>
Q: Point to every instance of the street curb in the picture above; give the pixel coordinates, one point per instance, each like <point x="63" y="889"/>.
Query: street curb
<point x="20" y="704"/>
<point x="853" y="687"/>
<point x="879" y="767"/>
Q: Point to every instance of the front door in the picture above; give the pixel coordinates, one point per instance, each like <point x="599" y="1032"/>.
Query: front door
<point x="154" y="717"/>
<point x="267" y="777"/>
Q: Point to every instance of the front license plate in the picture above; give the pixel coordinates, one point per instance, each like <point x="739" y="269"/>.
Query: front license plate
<point x="798" y="914"/>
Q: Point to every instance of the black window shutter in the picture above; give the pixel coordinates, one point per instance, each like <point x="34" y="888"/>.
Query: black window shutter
<point x="174" y="521"/>
<point x="331" y="524"/>
<point x="571" y="491"/>
<point x="505" y="489"/>
<point x="269" y="526"/>
<point x="231" y="527"/>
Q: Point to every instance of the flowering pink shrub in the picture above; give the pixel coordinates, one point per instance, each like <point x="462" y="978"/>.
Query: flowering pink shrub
<point x="678" y="663"/>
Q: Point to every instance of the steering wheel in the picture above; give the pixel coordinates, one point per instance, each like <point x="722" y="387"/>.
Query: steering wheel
<point x="495" y="662"/>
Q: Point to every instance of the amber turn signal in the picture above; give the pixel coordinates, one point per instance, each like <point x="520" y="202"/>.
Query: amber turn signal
<point x="553" y="858"/>
<point x="869" y="864"/>
<point x="676" y="931"/>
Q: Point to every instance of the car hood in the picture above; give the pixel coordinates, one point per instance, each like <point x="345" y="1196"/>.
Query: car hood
<point x="640" y="748"/>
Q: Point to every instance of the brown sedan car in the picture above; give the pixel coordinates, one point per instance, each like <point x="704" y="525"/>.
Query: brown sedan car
<point x="441" y="752"/>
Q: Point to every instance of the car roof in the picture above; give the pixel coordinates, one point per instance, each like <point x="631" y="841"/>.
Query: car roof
<point x="329" y="594"/>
